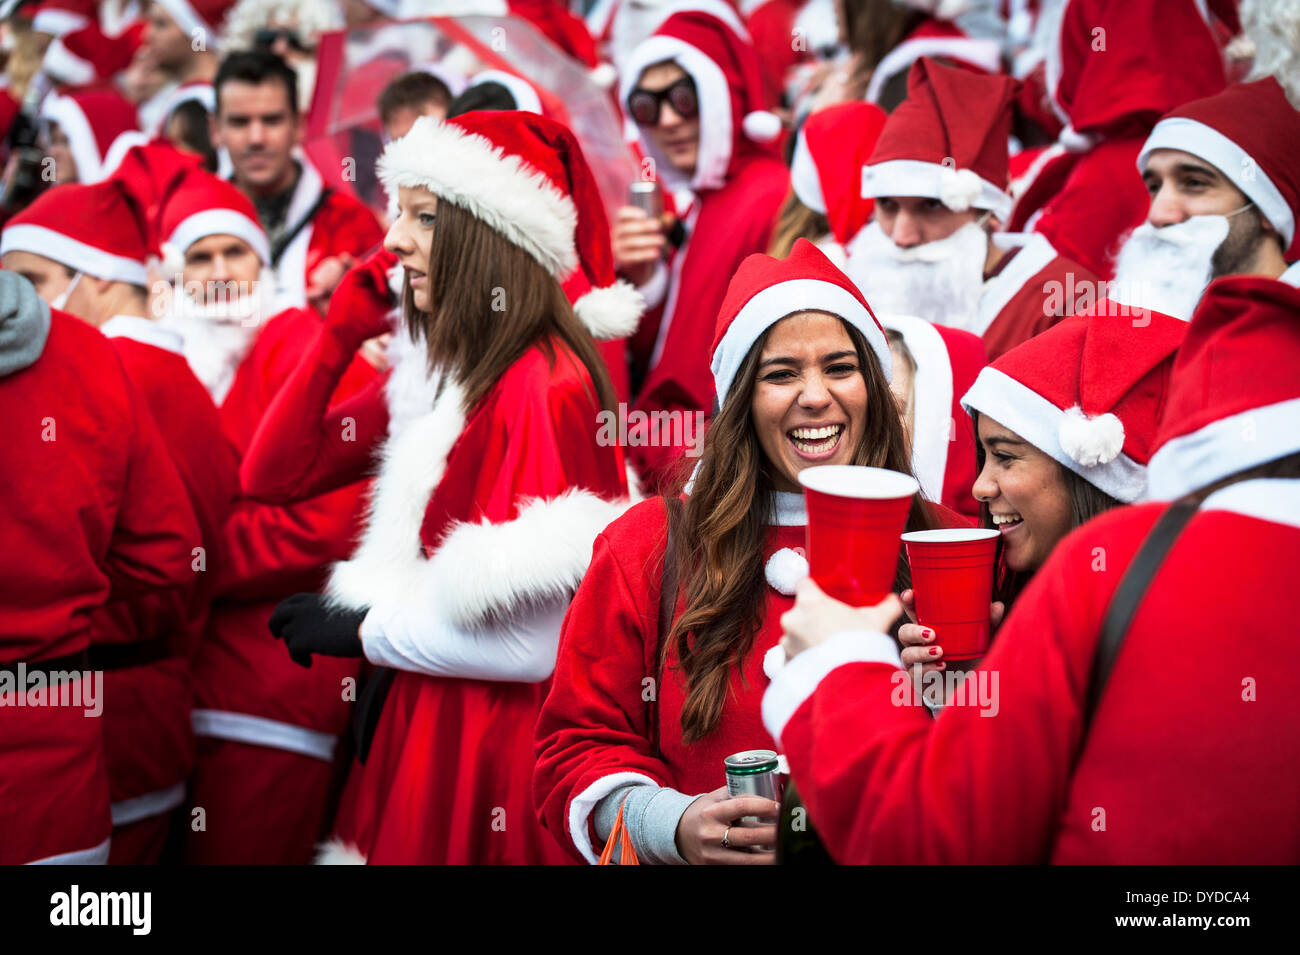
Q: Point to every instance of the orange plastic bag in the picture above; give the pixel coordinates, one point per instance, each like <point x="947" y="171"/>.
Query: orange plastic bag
<point x="627" y="856"/>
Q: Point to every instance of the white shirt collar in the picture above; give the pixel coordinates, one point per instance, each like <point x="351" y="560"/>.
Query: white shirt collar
<point x="142" y="330"/>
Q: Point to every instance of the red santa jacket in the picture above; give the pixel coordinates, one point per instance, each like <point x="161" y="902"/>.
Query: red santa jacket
<point x="246" y="687"/>
<point x="93" y="505"/>
<point x="594" y="733"/>
<point x="147" y="738"/>
<point x="1032" y="288"/>
<point x="336" y="224"/>
<point x="1185" y="762"/>
<point x="475" y="514"/>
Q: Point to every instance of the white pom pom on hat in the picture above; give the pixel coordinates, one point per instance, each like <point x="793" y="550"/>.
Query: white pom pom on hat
<point x="761" y="126"/>
<point x="959" y="189"/>
<point x="1091" y="441"/>
<point x="784" y="569"/>
<point x="604" y="75"/>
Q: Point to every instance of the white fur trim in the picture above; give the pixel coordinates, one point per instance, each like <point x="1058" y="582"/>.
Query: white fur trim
<point x="338" y="852"/>
<point x="501" y="189"/>
<point x="611" y="312"/>
<point x="218" y="221"/>
<point x="761" y="126"/>
<point x="932" y="395"/>
<point x="984" y="53"/>
<point x="1235" y="163"/>
<point x="124" y="143"/>
<point x="773" y="661"/>
<point x="1090" y="440"/>
<point x="799" y="678"/>
<point x="260" y="731"/>
<point x="73" y="253"/>
<point x="57" y="22"/>
<point x="1223" y="447"/>
<point x="1034" y="255"/>
<point x="791" y="508"/>
<point x="581" y="806"/>
<point x="1267" y="499"/>
<point x="126" y="811"/>
<point x="61" y="64"/>
<point x="144" y="331"/>
<point x="95" y="855"/>
<point x="75" y="124"/>
<point x="916" y="177"/>
<point x="776" y="302"/>
<point x="520" y="90"/>
<point x="805" y="180"/>
<point x="785" y="568"/>
<point x="1018" y="407"/>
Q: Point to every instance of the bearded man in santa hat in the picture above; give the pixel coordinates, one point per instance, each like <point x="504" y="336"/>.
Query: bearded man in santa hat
<point x="938" y="174"/>
<point x="1225" y="197"/>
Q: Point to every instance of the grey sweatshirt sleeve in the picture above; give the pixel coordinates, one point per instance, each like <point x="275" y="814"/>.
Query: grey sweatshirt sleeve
<point x="651" y="815"/>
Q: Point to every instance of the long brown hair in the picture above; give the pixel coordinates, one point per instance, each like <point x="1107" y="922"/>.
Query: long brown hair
<point x="492" y="301"/>
<point x="796" y="221"/>
<point x="718" y="548"/>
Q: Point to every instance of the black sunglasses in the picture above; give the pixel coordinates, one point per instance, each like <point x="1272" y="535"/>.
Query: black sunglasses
<point x="644" y="105"/>
<point x="267" y="38"/>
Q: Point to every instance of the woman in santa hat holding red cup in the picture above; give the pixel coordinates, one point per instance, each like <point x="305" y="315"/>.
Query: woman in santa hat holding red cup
<point x="491" y="485"/>
<point x="1129" y="728"/>
<point x="802" y="370"/>
<point x="1064" y="430"/>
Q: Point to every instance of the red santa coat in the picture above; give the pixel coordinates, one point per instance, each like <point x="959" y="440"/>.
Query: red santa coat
<point x="448" y="775"/>
<point x="1209" y="779"/>
<point x="247" y="690"/>
<point x="76" y="430"/>
<point x="1032" y="288"/>
<point x="340" y="224"/>
<point x="594" y="734"/>
<point x="147" y="738"/>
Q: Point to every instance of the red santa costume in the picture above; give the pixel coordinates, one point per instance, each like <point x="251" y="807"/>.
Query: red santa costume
<point x="92" y="120"/>
<point x="1081" y="194"/>
<point x="830" y="152"/>
<point x="462" y="501"/>
<point x="948" y="141"/>
<point x="144" y="642"/>
<point x="77" y="430"/>
<point x="735" y="191"/>
<point x="1208" y="780"/>
<point x="594" y="737"/>
<point x="98" y="49"/>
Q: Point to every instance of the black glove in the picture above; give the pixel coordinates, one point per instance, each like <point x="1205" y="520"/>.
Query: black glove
<point x="307" y="625"/>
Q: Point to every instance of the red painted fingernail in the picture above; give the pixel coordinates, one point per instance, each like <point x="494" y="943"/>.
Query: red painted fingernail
<point x="929" y="634"/>
<point x="934" y="651"/>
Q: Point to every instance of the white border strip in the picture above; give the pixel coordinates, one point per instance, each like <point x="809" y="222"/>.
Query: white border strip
<point x="917" y="177"/>
<point x="1034" y="256"/>
<point x="151" y="804"/>
<point x="805" y="180"/>
<point x="984" y="53"/>
<point x="259" y="731"/>
<point x="96" y="855"/>
<point x="144" y="331"/>
<point x="1023" y="410"/>
<point x="219" y="221"/>
<point x="39" y="240"/>
<point x="581" y="806"/>
<point x="1224" y="447"/>
<point x="1267" y="499"/>
<point x="932" y="392"/>
<point x="776" y="302"/>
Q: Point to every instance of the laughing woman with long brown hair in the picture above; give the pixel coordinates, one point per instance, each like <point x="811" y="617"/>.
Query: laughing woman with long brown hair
<point x="643" y="711"/>
<point x="491" y="483"/>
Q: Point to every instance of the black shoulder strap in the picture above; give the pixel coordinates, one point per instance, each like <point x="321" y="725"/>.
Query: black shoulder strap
<point x="279" y="246"/>
<point x="1128" y="598"/>
<point x="667" y="607"/>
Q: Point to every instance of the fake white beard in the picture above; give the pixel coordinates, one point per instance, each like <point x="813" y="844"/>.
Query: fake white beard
<point x="939" y="281"/>
<point x="218" y="335"/>
<point x="1167" y="269"/>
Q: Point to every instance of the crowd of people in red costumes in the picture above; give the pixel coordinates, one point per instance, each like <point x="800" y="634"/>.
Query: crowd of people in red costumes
<point x="435" y="497"/>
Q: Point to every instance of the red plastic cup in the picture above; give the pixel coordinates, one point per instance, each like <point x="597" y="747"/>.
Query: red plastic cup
<point x="855" y="515"/>
<point x="952" y="580"/>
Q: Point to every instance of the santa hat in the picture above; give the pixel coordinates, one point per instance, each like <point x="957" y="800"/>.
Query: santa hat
<point x="729" y="83"/>
<point x="830" y="154"/>
<point x="98" y="230"/>
<point x="525" y="176"/>
<point x="1086" y="392"/>
<point x="948" y="361"/>
<point x="57" y="17"/>
<point x="202" y="205"/>
<point x="205" y="16"/>
<point x="935" y="38"/>
<point x="765" y="290"/>
<point x="1234" y="397"/>
<point x="150" y="171"/>
<point x="521" y="91"/>
<point x="91" y="119"/>
<point x="89" y="55"/>
<point x="1250" y="133"/>
<point x="775" y="25"/>
<point x="947" y="140"/>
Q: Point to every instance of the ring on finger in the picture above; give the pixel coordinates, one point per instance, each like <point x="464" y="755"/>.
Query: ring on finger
<point x="725" y="843"/>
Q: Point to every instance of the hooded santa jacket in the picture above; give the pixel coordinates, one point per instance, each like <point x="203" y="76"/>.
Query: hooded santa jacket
<point x="93" y="505"/>
<point x="1191" y="755"/>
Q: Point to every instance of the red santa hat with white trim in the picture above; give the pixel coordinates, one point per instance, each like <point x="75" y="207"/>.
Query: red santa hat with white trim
<point x="57" y="17"/>
<point x="91" y="119"/>
<point x="203" y="205"/>
<point x="1249" y="133"/>
<point x="830" y="154"/>
<point x="1234" y="397"/>
<point x="525" y="176"/>
<point x="936" y="37"/>
<point x="1087" y="392"/>
<point x="947" y="140"/>
<point x="97" y="230"/>
<point x="730" y="88"/>
<point x="765" y="290"/>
